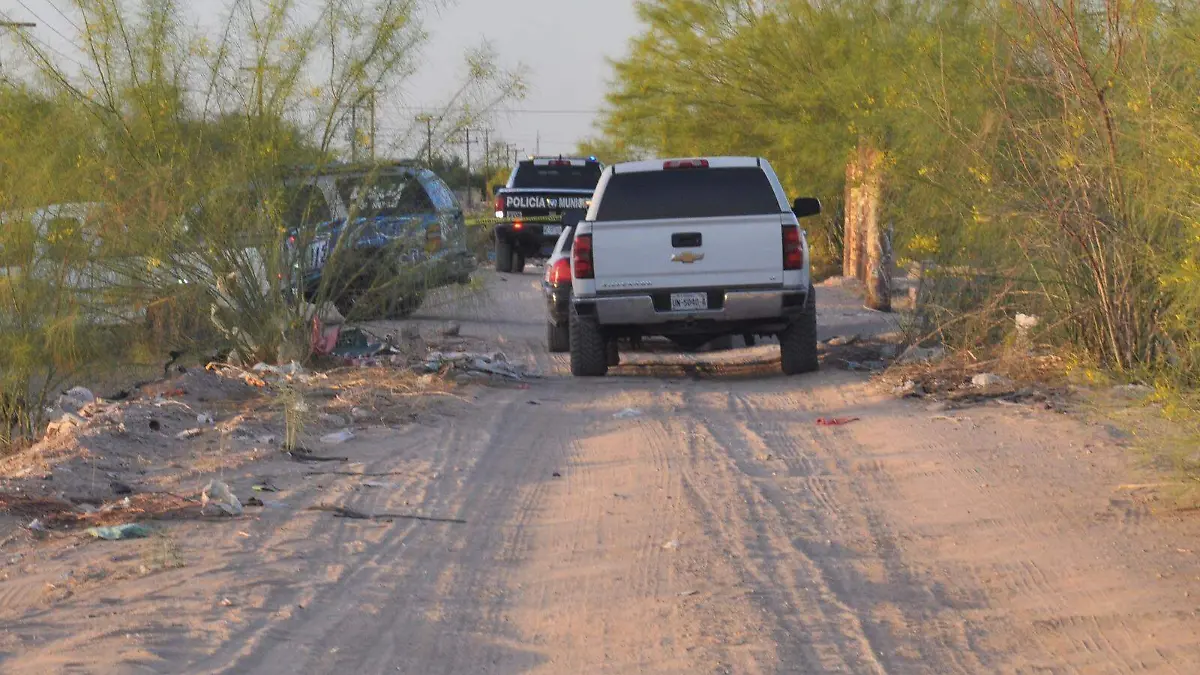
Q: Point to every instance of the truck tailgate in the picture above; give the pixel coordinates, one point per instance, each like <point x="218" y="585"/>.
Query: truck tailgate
<point x="688" y="253"/>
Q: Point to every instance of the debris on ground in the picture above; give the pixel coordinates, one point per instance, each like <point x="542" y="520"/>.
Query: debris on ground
<point x="337" y="437"/>
<point x="835" y="421"/>
<point x="671" y="545"/>
<point x="909" y="388"/>
<point x="117" y="532"/>
<point x="628" y="413"/>
<point x="218" y="495"/>
<point x="985" y="380"/>
<point x="188" y="433"/>
<point x="917" y="354"/>
<point x="74" y="399"/>
<point x="842" y="340"/>
<point x="344" y="512"/>
<point x="205" y="420"/>
<point x="475" y="364"/>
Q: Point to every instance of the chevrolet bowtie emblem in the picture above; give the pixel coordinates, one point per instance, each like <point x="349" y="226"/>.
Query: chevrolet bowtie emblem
<point x="687" y="257"/>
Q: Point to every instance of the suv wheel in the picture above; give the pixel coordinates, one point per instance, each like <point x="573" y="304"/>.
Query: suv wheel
<point x="798" y="342"/>
<point x="589" y="349"/>
<point x="504" y="254"/>
<point x="558" y="338"/>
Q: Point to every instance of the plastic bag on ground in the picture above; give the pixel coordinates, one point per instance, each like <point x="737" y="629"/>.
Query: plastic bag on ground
<point x="115" y="532"/>
<point x="218" y="495"/>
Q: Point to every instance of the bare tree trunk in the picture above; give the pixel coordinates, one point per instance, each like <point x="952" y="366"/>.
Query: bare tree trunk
<point x="851" y="241"/>
<point x="877" y="242"/>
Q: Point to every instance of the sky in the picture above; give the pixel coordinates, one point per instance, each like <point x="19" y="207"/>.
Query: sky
<point x="562" y="45"/>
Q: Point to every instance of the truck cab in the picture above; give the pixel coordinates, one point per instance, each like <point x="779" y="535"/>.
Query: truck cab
<point x="531" y="207"/>
<point x="692" y="249"/>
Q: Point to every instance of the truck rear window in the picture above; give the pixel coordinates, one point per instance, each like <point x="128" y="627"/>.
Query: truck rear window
<point x="687" y="193"/>
<point x="583" y="177"/>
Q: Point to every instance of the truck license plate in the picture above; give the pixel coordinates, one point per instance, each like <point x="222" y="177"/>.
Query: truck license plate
<point x="551" y="230"/>
<point x="689" y="302"/>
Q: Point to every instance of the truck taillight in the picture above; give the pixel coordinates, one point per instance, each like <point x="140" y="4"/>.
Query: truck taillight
<point x="499" y="206"/>
<point x="581" y="257"/>
<point x="559" y="272"/>
<point x="793" y="248"/>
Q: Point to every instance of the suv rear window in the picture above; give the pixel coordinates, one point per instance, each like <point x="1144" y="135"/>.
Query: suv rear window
<point x="688" y="193"/>
<point x="583" y="177"/>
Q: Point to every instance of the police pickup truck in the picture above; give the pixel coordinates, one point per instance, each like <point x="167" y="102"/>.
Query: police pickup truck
<point x="530" y="208"/>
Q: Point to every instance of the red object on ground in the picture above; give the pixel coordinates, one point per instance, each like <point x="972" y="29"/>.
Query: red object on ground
<point x="835" y="421"/>
<point x="324" y="338"/>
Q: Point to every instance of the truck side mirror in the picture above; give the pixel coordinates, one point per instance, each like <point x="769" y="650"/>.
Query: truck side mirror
<point x="806" y="206"/>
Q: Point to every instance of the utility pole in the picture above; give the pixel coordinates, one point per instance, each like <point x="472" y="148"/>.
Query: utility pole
<point x="468" y="132"/>
<point x="428" y="120"/>
<point x="259" y="69"/>
<point x="487" y="159"/>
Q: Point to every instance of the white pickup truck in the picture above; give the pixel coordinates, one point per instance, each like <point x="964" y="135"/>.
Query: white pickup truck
<point x="691" y="249"/>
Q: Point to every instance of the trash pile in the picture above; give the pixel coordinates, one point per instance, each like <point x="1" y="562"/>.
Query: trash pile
<point x="79" y="408"/>
<point x="475" y="364"/>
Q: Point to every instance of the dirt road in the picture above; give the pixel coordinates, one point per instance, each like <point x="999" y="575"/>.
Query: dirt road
<point x="661" y="520"/>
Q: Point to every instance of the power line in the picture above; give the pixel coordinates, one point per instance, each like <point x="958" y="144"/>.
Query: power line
<point x="511" y="111"/>
<point x="63" y="15"/>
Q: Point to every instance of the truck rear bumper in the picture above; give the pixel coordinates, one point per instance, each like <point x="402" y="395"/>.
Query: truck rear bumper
<point x="732" y="307"/>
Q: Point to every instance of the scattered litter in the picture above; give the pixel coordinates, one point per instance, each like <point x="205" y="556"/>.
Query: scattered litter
<point x="1026" y="323"/>
<point x="343" y="512"/>
<point x="910" y="388"/>
<point x="473" y="363"/>
<point x="671" y="545"/>
<point x="219" y="495"/>
<point x="843" y="340"/>
<point x="36" y="525"/>
<point x="989" y="380"/>
<point x="204" y="419"/>
<point x="189" y="433"/>
<point x="835" y="421"/>
<point x="335" y="420"/>
<point x="115" y="532"/>
<point x="628" y="413"/>
<point x="226" y="602"/>
<point x="265" y="488"/>
<point x="556" y="474"/>
<point x="64" y="424"/>
<point x="337" y="437"/>
<point x="377" y="484"/>
<point x="917" y="354"/>
<point x="355" y="343"/>
<point x="688" y="594"/>
<point x="74" y="399"/>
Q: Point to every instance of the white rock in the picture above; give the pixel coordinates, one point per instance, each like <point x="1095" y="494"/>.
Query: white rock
<point x="989" y="380"/>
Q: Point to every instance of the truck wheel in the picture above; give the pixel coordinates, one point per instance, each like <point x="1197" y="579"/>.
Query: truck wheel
<point x="558" y="338"/>
<point x="518" y="263"/>
<point x="589" y="354"/>
<point x="504" y="254"/>
<point x="612" y="353"/>
<point x="798" y="342"/>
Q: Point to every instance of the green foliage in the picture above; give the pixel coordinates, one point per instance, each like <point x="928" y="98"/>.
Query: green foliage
<point x="1042" y="155"/>
<point x="184" y="146"/>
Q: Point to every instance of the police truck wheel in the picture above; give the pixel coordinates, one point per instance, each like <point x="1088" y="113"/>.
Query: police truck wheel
<point x="558" y="337"/>
<point x="504" y="254"/>
<point x="588" y="348"/>
<point x="518" y="263"/>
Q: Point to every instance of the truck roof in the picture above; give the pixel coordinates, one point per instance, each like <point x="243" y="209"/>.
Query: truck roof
<point x="645" y="165"/>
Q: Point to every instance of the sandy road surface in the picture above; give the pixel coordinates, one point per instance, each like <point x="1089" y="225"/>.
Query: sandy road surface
<point x="718" y="530"/>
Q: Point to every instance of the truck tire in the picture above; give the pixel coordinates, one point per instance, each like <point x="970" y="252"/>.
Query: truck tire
<point x="798" y="342"/>
<point x="558" y="338"/>
<point x="589" y="351"/>
<point x="504" y="254"/>
<point x="518" y="263"/>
